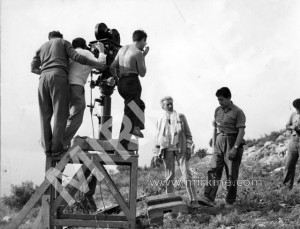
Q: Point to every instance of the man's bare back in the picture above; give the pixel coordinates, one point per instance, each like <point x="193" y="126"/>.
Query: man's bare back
<point x="131" y="60"/>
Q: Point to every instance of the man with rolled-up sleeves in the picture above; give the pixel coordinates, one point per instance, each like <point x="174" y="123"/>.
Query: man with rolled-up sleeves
<point x="227" y="142"/>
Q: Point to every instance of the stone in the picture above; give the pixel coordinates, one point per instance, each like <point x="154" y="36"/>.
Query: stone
<point x="7" y="219"/>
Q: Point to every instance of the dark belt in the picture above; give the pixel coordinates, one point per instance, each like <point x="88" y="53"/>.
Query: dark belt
<point x="227" y="134"/>
<point x="127" y="75"/>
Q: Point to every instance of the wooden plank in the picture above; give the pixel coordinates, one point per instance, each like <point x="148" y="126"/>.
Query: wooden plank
<point x="91" y="223"/>
<point x="113" y="189"/>
<point x="93" y="217"/>
<point x="36" y="196"/>
<point x="174" y="207"/>
<point x="133" y="191"/>
<point x="92" y="144"/>
<point x="163" y="198"/>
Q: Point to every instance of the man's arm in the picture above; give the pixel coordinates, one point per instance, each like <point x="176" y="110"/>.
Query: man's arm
<point x="240" y="125"/>
<point x="187" y="132"/>
<point x="240" y="137"/>
<point x="113" y="66"/>
<point x="289" y="125"/>
<point x="80" y="58"/>
<point x="140" y="60"/>
<point x="36" y="64"/>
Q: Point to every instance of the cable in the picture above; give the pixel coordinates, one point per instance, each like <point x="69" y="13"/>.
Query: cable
<point x="91" y="105"/>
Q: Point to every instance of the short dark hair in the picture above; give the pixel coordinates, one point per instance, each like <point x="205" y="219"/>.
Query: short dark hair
<point x="138" y="35"/>
<point x="79" y="43"/>
<point x="296" y="103"/>
<point x="53" y="34"/>
<point x="224" y="91"/>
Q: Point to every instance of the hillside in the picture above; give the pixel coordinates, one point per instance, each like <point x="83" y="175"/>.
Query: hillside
<point x="262" y="201"/>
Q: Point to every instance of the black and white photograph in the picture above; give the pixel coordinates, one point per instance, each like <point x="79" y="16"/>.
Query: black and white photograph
<point x="150" y="114"/>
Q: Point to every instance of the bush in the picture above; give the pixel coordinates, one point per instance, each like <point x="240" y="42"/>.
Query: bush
<point x="201" y="153"/>
<point x="20" y="194"/>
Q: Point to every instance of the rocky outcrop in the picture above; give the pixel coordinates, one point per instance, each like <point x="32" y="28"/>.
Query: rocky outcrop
<point x="271" y="152"/>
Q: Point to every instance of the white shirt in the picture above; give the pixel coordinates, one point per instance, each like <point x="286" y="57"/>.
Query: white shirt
<point x="79" y="73"/>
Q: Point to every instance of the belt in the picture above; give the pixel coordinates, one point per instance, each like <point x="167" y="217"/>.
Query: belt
<point x="227" y="134"/>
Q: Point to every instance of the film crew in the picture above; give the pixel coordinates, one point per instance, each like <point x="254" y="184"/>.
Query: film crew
<point x="294" y="146"/>
<point x="174" y="141"/>
<point x="131" y="62"/>
<point x="51" y="62"/>
<point x="227" y="142"/>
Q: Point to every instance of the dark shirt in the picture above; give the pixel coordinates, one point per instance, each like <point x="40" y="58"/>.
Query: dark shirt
<point x="229" y="120"/>
<point x="55" y="54"/>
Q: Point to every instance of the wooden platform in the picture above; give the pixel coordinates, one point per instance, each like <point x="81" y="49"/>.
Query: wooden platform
<point x="92" y="154"/>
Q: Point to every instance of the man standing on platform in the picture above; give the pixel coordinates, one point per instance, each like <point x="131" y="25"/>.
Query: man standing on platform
<point x="131" y="62"/>
<point x="77" y="78"/>
<point x="227" y="142"/>
<point x="294" y="146"/>
<point x="174" y="142"/>
<point x="51" y="61"/>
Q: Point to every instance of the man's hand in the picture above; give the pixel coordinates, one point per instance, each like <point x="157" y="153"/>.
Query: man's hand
<point x="100" y="47"/>
<point x="210" y="142"/>
<point x="155" y="160"/>
<point x="232" y="154"/>
<point x="146" y="50"/>
<point x="103" y="67"/>
<point x="36" y="71"/>
<point x="188" y="154"/>
<point x="111" y="81"/>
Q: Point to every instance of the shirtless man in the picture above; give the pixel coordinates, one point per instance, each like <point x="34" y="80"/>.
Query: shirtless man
<point x="131" y="62"/>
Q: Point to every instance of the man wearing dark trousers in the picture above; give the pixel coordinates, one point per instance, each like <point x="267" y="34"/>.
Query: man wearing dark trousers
<point x="51" y="61"/>
<point x="293" y="147"/>
<point x="131" y="62"/>
<point x="227" y="142"/>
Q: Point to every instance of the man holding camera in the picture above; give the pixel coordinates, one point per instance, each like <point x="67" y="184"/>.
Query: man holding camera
<point x="174" y="141"/>
<point x="51" y="61"/>
<point x="131" y="62"/>
<point x="227" y="142"/>
<point x="294" y="146"/>
<point x="77" y="78"/>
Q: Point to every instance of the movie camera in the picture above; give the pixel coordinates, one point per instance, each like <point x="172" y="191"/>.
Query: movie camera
<point x="110" y="38"/>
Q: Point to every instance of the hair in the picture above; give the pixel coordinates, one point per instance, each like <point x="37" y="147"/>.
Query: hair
<point x="55" y="34"/>
<point x="138" y="35"/>
<point x="165" y="99"/>
<point x="225" y="92"/>
<point x="79" y="43"/>
<point x="296" y="103"/>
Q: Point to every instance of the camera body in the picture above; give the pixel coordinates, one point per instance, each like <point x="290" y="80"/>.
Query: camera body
<point x="110" y="38"/>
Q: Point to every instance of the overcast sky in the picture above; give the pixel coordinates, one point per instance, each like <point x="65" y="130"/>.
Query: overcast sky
<point x="196" y="47"/>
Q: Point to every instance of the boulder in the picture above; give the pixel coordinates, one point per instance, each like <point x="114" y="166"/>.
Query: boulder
<point x="7" y="219"/>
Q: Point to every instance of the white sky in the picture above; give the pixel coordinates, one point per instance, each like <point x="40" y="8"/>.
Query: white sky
<point x="196" y="47"/>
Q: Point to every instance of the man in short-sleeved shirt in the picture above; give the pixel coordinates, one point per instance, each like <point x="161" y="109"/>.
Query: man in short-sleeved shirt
<point x="293" y="147"/>
<point x="227" y="142"/>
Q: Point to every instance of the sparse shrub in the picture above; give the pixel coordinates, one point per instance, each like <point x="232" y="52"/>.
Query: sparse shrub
<point x="20" y="194"/>
<point x="201" y="153"/>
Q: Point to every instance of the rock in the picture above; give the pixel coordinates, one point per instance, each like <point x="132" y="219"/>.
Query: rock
<point x="281" y="150"/>
<point x="280" y="138"/>
<point x="277" y="170"/>
<point x="7" y="219"/>
<point x="268" y="143"/>
<point x="270" y="160"/>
